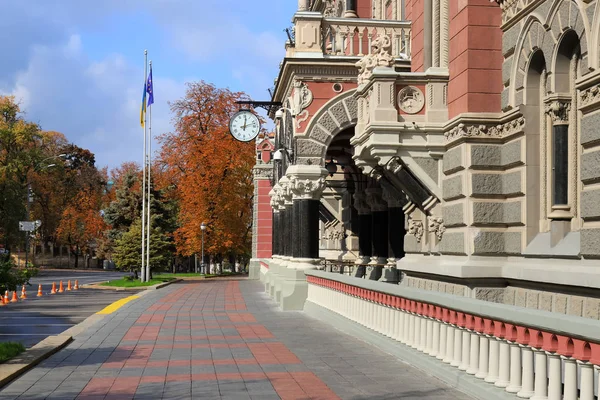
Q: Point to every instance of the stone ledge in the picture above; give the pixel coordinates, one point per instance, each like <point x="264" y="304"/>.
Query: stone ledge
<point x="20" y="364"/>
<point x="562" y="272"/>
<point x="96" y="285"/>
<point x="452" y="376"/>
<point x="570" y="326"/>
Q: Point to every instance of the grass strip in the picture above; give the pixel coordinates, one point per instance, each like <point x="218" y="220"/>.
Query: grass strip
<point x="9" y="350"/>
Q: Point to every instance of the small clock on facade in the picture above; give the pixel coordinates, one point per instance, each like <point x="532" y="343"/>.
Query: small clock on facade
<point x="244" y="126"/>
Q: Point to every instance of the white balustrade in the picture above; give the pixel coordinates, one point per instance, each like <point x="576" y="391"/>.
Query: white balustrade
<point x="354" y="36"/>
<point x="526" y="370"/>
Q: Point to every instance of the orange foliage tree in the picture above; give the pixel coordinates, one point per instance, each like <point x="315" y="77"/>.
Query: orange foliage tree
<point x="209" y="173"/>
<point x="81" y="223"/>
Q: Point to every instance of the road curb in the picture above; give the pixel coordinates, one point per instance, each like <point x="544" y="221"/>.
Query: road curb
<point x="96" y="285"/>
<point x="22" y="363"/>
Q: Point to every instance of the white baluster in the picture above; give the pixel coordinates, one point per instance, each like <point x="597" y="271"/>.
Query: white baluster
<point x="541" y="375"/>
<point x="466" y="349"/>
<point x="360" y="44"/>
<point x="422" y="333"/>
<point x="586" y="386"/>
<point x="428" y="335"/>
<point x="554" y="377"/>
<point x="474" y="354"/>
<point x="389" y="321"/>
<point x="515" y="368"/>
<point x="457" y="347"/>
<point x="484" y="353"/>
<point x="494" y="361"/>
<point x="411" y="330"/>
<point x="450" y="330"/>
<point x="352" y="43"/>
<point x="570" y="383"/>
<point x="503" y="364"/>
<point x="527" y="378"/>
<point x="436" y="338"/>
<point x="399" y="326"/>
<point x="417" y="336"/>
<point x="441" y="354"/>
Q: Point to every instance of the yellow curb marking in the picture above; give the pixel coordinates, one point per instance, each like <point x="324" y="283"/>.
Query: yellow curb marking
<point x="116" y="305"/>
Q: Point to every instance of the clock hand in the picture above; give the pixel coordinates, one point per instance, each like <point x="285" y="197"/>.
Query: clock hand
<point x="244" y="128"/>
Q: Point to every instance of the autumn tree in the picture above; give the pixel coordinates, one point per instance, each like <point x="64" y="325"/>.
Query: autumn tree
<point x="208" y="172"/>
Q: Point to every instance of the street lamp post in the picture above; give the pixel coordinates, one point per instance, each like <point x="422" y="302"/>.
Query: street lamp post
<point x="202" y="228"/>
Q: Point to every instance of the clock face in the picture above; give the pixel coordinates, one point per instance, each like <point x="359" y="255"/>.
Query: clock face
<point x="244" y="126"/>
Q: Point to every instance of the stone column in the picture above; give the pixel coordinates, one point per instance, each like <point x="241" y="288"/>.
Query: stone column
<point x="395" y="236"/>
<point x="303" y="5"/>
<point x="350" y="9"/>
<point x="364" y="232"/>
<point x="379" y="232"/>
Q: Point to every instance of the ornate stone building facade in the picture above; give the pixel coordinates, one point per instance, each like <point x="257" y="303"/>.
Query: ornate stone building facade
<point x="451" y="146"/>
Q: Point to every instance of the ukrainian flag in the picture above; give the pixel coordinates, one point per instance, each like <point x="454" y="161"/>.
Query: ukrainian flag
<point x="143" y="109"/>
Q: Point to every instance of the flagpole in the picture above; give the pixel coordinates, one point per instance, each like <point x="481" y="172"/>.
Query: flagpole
<point x="143" y="271"/>
<point x="149" y="180"/>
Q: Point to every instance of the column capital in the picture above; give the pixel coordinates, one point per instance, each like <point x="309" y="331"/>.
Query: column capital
<point x="286" y="191"/>
<point x="306" y="181"/>
<point x="375" y="199"/>
<point x="558" y="109"/>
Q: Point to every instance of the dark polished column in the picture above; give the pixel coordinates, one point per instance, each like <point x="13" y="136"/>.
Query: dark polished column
<point x="308" y="228"/>
<point x="396" y="232"/>
<point x="560" y="165"/>
<point x="289" y="233"/>
<point x="379" y="229"/>
<point x="275" y="233"/>
<point x="365" y="247"/>
<point x="282" y="231"/>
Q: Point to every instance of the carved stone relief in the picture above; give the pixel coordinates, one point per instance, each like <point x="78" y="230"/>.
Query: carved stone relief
<point x="411" y="99"/>
<point x="415" y="228"/>
<point x="307" y="188"/>
<point x="590" y="96"/>
<point x="379" y="57"/>
<point x="481" y="130"/>
<point x="436" y="225"/>
<point x="302" y="97"/>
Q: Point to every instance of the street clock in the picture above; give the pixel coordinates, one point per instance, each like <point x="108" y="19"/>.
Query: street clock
<point x="244" y="126"/>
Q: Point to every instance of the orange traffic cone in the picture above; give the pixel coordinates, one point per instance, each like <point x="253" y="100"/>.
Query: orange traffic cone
<point x="40" y="294"/>
<point x="61" y="289"/>
<point x="53" y="291"/>
<point x="5" y="299"/>
<point x="23" y="293"/>
<point x="14" y="297"/>
<point x="69" y="285"/>
<point x="76" y="287"/>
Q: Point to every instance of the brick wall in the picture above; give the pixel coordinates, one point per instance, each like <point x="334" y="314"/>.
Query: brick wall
<point x="475" y="57"/>
<point x="263" y="220"/>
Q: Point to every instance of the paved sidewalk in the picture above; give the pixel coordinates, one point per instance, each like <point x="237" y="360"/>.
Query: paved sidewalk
<point x="220" y="340"/>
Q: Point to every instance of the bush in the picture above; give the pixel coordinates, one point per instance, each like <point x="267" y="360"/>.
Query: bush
<point x="11" y="277"/>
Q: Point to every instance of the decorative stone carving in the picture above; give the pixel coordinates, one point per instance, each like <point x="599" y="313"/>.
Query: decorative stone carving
<point x="302" y="97"/>
<point x="379" y="57"/>
<point x="301" y="117"/>
<point x="511" y="8"/>
<point x="436" y="225"/>
<point x="263" y="173"/>
<point x="307" y="188"/>
<point x="285" y="191"/>
<point x="590" y="96"/>
<point x="361" y="204"/>
<point x="480" y="130"/>
<point x="337" y="233"/>
<point x="411" y="99"/>
<point x="394" y="165"/>
<point x="415" y="228"/>
<point x="559" y="111"/>
<point x="333" y="8"/>
<point x="375" y="200"/>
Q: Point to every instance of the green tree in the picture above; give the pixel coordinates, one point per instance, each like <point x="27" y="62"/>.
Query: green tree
<point x="128" y="250"/>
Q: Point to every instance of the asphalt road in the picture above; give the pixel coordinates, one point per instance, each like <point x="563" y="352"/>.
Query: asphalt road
<point x="36" y="318"/>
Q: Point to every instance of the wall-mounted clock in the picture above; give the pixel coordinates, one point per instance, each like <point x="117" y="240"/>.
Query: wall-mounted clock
<point x="244" y="125"/>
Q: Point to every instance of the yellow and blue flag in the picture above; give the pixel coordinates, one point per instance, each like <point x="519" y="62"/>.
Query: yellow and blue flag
<point x="143" y="109"/>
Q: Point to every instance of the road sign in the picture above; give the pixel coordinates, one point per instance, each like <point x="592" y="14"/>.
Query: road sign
<point x="29" y="226"/>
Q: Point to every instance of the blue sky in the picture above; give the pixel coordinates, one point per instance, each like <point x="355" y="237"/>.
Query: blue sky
<point x="76" y="66"/>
